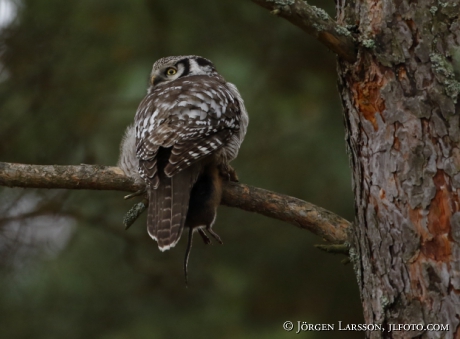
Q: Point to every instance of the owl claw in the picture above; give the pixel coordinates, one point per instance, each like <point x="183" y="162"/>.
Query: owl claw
<point x="228" y="173"/>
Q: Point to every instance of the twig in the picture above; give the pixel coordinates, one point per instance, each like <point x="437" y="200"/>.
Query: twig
<point x="302" y="214"/>
<point x="334" y="249"/>
<point x="134" y="213"/>
<point x="314" y="21"/>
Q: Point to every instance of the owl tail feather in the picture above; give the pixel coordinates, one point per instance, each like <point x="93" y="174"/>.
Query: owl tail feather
<point x="168" y="204"/>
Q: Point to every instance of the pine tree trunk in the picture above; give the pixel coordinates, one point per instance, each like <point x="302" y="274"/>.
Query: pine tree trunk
<point x="403" y="136"/>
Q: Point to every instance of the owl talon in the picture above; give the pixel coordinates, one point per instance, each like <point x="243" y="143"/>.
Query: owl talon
<point x="228" y="173"/>
<point x="233" y="176"/>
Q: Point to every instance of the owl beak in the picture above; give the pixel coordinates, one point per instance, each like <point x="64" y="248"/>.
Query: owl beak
<point x="152" y="80"/>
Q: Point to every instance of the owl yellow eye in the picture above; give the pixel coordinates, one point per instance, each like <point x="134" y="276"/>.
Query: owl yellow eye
<point x="171" y="71"/>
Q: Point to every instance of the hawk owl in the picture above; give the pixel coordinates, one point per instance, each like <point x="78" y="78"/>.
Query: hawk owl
<point x="187" y="129"/>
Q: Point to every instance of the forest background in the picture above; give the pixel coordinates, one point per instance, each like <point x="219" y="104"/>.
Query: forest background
<point x="71" y="77"/>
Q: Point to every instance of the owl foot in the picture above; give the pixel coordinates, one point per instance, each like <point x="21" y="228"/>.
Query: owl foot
<point x="228" y="173"/>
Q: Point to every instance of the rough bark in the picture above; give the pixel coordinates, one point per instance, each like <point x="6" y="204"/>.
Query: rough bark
<point x="294" y="211"/>
<point x="403" y="135"/>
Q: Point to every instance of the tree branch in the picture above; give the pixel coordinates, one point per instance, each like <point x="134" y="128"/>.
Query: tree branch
<point x="314" y="21"/>
<point x="297" y="212"/>
<point x="302" y="214"/>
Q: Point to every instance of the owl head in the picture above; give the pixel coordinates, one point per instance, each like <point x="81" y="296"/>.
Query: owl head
<point x="171" y="68"/>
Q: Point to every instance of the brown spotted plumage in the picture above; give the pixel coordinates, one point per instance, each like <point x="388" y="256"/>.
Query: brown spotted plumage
<point x="188" y="128"/>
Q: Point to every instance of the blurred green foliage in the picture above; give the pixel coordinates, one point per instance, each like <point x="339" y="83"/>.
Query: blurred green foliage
<point x="73" y="73"/>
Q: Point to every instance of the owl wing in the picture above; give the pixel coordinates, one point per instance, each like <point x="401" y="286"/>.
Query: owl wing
<point x="195" y="116"/>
